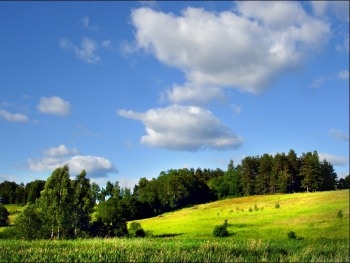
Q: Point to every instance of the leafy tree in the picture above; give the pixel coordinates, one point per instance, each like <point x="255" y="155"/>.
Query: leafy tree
<point x="33" y="190"/>
<point x="30" y="224"/>
<point x="7" y="192"/>
<point x="95" y="188"/>
<point x="110" y="214"/>
<point x="4" y="216"/>
<point x="57" y="202"/>
<point x="83" y="203"/>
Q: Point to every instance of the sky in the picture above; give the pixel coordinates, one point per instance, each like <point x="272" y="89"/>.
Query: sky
<point x="129" y="89"/>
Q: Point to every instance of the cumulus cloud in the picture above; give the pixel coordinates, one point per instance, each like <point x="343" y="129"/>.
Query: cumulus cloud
<point x="248" y="48"/>
<point x="339" y="135"/>
<point x="333" y="159"/>
<point x="339" y="9"/>
<point x="87" y="51"/>
<point x="54" y="105"/>
<point x="184" y="128"/>
<point x="13" y="117"/>
<point x="55" y="157"/>
<point x="60" y="151"/>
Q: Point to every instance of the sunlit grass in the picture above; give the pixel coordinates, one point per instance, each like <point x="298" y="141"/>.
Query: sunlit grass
<point x="313" y="215"/>
<point x="186" y="235"/>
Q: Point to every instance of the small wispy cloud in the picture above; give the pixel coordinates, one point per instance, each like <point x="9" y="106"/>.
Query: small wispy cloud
<point x="85" y="21"/>
<point x="333" y="159"/>
<point x="87" y="51"/>
<point x="319" y="82"/>
<point x="344" y="74"/>
<point x="54" y="105"/>
<point x="13" y="117"/>
<point x="339" y="135"/>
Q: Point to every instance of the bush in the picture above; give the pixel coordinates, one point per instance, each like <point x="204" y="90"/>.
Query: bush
<point x="277" y="205"/>
<point x="292" y="235"/>
<point x="340" y="214"/>
<point x="4" y="216"/>
<point x="221" y="231"/>
<point x="135" y="230"/>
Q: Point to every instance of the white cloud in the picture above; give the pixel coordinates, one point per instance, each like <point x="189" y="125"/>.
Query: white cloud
<point x="247" y="49"/>
<point x="333" y="159"/>
<point x="339" y="9"/>
<point x="344" y="74"/>
<point x="60" y="151"/>
<point x="191" y="93"/>
<point x="184" y="128"/>
<point x="54" y="105"/>
<point x="55" y="157"/>
<point x="86" y="52"/>
<point x="95" y="166"/>
<point x="13" y="117"/>
<point x="339" y="135"/>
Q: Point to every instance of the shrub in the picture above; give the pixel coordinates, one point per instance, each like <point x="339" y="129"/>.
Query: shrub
<point x="4" y="216"/>
<point x="292" y="235"/>
<point x="221" y="231"/>
<point x="340" y="214"/>
<point x="277" y="205"/>
<point x="256" y="208"/>
<point x="135" y="230"/>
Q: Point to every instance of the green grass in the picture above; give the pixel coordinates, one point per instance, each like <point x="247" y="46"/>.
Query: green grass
<point x="311" y="215"/>
<point x="173" y="250"/>
<point x="186" y="235"/>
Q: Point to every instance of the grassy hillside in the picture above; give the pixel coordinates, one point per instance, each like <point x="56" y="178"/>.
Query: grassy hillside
<point x="309" y="215"/>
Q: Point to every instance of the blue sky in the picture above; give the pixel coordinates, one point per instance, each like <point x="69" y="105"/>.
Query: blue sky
<point x="129" y="89"/>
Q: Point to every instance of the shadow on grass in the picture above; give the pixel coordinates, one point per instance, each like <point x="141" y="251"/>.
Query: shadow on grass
<point x="168" y="235"/>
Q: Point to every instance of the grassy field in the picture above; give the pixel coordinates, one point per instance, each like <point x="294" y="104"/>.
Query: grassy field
<point x="309" y="215"/>
<point x="258" y="227"/>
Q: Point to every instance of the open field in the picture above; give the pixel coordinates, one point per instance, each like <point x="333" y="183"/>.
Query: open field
<point x="310" y="215"/>
<point x="258" y="229"/>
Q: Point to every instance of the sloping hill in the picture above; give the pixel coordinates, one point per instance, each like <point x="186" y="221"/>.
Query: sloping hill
<point x="309" y="215"/>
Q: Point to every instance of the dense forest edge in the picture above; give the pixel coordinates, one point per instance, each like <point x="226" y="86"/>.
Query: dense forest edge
<point x="61" y="207"/>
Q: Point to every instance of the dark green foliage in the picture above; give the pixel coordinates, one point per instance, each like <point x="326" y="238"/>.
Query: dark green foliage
<point x="277" y="205"/>
<point x="110" y="214"/>
<point x="4" y="216"/>
<point x="221" y="230"/>
<point x="292" y="235"/>
<point x="32" y="224"/>
<point x="340" y="214"/>
<point x="135" y="230"/>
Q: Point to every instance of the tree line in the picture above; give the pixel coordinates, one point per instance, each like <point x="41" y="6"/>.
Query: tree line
<point x="61" y="207"/>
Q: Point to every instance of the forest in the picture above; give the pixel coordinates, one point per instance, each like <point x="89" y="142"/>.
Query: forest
<point x="62" y="207"/>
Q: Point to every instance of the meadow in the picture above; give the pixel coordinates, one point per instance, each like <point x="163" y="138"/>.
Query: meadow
<point x="258" y="227"/>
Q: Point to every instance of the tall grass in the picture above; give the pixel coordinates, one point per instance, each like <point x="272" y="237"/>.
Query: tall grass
<point x="174" y="250"/>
